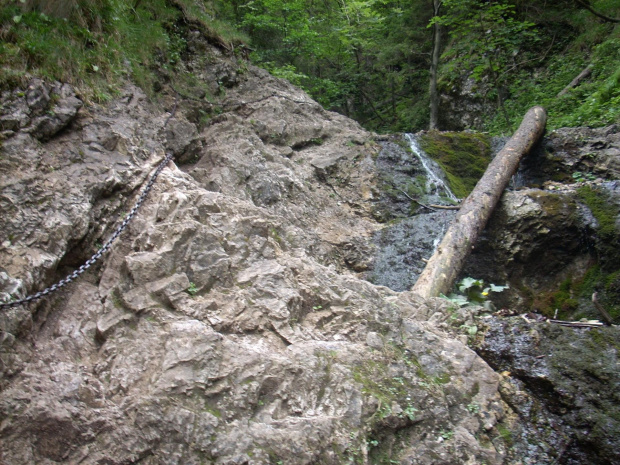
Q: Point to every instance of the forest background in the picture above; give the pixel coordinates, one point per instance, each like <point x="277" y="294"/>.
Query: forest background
<point x="392" y="65"/>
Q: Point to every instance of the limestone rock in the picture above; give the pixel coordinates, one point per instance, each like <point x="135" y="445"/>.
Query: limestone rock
<point x="225" y="325"/>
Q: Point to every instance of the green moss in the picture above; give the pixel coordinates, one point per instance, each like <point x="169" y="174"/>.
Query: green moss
<point x="604" y="277"/>
<point x="591" y="281"/>
<point x="273" y="232"/>
<point x="463" y="156"/>
<point x="564" y="300"/>
<point x="605" y="280"/>
<point x="612" y="283"/>
<point x="373" y="375"/>
<point x="573" y="299"/>
<point x="603" y="338"/>
<point x="505" y="434"/>
<point x="602" y="208"/>
<point x="607" y="287"/>
<point x="554" y="204"/>
<point x="213" y="411"/>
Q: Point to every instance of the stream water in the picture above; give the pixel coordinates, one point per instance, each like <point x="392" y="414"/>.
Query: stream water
<point x="413" y="231"/>
<point x="435" y="183"/>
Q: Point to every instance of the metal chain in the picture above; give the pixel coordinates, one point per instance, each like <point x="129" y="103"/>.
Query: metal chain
<point x="104" y="248"/>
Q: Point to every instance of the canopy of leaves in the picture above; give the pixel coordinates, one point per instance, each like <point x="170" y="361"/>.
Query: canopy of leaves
<point x="368" y="59"/>
<point x="365" y="58"/>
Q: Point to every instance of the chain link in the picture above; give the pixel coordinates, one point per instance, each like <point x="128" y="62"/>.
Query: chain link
<point x="104" y="248"/>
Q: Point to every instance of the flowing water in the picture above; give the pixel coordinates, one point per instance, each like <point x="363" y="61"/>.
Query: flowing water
<point x="414" y="231"/>
<point x="435" y="183"/>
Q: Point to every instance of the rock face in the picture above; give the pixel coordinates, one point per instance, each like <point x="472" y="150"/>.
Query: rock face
<point x="228" y="324"/>
<point x="412" y="231"/>
<point x="556" y="241"/>
<point x="562" y="382"/>
<point x="464" y="105"/>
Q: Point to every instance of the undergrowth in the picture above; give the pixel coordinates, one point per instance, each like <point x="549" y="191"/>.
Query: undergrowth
<point x="94" y="45"/>
<point x="594" y="102"/>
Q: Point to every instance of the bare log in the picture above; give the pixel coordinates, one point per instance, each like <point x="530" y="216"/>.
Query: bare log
<point x="445" y="207"/>
<point x="575" y="82"/>
<point x="601" y="310"/>
<point x="446" y="263"/>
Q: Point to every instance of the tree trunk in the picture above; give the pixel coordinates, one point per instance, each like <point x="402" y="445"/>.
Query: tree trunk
<point x="447" y="261"/>
<point x="434" y="94"/>
<point x="575" y="82"/>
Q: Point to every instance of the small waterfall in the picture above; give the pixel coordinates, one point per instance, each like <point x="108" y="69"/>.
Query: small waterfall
<point x="414" y="232"/>
<point x="438" y="238"/>
<point x="434" y="182"/>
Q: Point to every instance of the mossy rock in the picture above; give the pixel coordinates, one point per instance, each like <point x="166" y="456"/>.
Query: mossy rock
<point x="570" y="376"/>
<point x="564" y="300"/>
<point x="464" y="157"/>
<point x="606" y="212"/>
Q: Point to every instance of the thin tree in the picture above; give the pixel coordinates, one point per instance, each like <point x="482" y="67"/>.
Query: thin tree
<point x="434" y="93"/>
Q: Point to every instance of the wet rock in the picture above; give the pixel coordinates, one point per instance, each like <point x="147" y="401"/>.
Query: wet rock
<point x="403" y="246"/>
<point x="570" y="154"/>
<point x="558" y="381"/>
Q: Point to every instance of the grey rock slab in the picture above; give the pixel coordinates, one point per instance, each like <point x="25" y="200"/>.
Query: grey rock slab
<point x="283" y="353"/>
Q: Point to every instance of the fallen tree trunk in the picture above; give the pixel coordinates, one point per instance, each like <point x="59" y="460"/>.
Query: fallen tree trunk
<point x="575" y="82"/>
<point x="446" y="263"/>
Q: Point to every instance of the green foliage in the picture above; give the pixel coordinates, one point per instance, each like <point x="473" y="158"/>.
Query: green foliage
<point x="472" y="291"/>
<point x="192" y="289"/>
<point x="505" y="434"/>
<point x="578" y="176"/>
<point x="354" y="56"/>
<point x="487" y="41"/>
<point x="94" y="45"/>
<point x="473" y="408"/>
<point x="571" y="39"/>
<point x="368" y="59"/>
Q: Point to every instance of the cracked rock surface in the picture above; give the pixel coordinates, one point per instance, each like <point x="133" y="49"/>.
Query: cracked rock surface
<point x="228" y="324"/>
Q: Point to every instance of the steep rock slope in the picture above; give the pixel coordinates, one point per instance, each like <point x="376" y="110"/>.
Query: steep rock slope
<point x="227" y="324"/>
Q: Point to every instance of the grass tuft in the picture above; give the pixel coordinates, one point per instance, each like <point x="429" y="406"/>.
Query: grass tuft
<point x="95" y="45"/>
